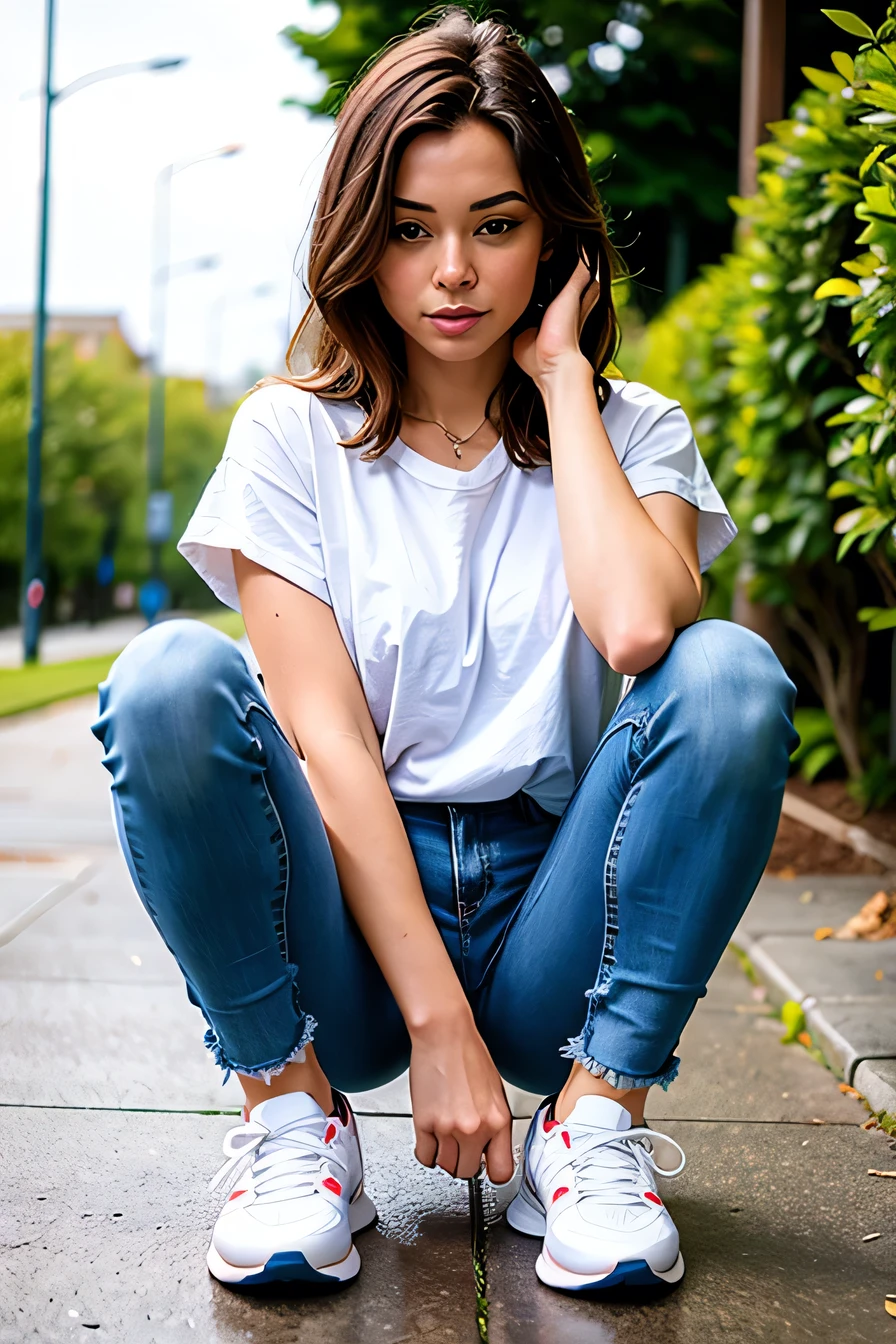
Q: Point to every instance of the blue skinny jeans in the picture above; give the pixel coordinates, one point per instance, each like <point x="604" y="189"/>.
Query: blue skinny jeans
<point x="587" y="936"/>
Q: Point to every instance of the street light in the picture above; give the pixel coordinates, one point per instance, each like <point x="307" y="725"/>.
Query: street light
<point x="33" y="588"/>
<point x="154" y="595"/>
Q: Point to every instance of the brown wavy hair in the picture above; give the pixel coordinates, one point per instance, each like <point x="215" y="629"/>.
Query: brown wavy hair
<point x="435" y="79"/>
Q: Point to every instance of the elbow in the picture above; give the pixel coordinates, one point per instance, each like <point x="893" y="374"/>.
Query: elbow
<point x="631" y="652"/>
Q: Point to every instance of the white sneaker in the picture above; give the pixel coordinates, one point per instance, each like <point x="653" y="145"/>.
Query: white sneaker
<point x="588" y="1189"/>
<point x="298" y="1198"/>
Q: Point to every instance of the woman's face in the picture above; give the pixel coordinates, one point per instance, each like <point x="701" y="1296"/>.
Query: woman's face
<point x="460" y="264"/>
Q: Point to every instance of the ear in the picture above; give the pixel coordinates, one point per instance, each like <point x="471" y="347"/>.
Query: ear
<point x="547" y="252"/>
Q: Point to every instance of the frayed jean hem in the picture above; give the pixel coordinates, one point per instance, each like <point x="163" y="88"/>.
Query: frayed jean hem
<point x="265" y="1071"/>
<point x="575" y="1050"/>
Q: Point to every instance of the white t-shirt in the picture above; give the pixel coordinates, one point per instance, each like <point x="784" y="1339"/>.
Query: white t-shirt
<point x="447" y="586"/>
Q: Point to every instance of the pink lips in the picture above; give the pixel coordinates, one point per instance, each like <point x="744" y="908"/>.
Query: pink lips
<point x="454" y="321"/>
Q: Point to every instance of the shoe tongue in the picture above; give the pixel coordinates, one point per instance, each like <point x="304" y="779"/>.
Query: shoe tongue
<point x="278" y="1111"/>
<point x="599" y="1113"/>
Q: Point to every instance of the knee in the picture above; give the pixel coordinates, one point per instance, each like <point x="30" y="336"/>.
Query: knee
<point x="169" y="692"/>
<point x="736" y="684"/>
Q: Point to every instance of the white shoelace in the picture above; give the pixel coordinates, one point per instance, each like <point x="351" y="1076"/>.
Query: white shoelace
<point x="612" y="1162"/>
<point x="292" y="1156"/>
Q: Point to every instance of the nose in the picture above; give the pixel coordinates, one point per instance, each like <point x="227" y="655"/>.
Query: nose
<point x="454" y="269"/>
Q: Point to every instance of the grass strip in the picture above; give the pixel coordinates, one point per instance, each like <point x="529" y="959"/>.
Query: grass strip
<point x="32" y="687"/>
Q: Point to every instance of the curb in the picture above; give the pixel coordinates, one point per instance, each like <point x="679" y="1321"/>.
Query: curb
<point x="875" y="1078"/>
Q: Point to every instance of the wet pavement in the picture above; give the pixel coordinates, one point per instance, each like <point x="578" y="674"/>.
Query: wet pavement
<point x="105" y="1217"/>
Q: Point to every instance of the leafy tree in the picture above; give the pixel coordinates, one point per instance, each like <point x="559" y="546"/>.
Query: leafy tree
<point x="661" y="132"/>
<point x="94" y="467"/>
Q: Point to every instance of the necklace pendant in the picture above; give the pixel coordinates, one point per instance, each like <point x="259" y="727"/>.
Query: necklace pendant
<point x="457" y="450"/>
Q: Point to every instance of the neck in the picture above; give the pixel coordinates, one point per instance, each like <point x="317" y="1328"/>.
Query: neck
<point x="454" y="392"/>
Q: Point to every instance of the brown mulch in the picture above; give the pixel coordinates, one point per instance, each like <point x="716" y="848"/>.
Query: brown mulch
<point x="799" y="849"/>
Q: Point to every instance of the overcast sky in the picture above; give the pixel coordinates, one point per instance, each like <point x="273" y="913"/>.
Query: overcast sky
<point x="109" y="142"/>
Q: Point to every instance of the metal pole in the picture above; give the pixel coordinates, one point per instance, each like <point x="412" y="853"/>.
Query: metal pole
<point x="762" y="81"/>
<point x="33" y="587"/>
<point x="155" y="433"/>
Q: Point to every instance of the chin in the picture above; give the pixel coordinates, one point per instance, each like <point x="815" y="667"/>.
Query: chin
<point x="458" y="349"/>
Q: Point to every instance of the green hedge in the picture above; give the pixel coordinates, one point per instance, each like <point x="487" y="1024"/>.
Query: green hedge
<point x="788" y="376"/>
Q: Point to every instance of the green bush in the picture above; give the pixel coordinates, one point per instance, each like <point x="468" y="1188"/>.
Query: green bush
<point x="764" y="366"/>
<point x="864" y="450"/>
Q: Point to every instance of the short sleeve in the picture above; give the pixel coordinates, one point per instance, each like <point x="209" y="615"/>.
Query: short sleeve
<point x="260" y="500"/>
<point x="655" y="444"/>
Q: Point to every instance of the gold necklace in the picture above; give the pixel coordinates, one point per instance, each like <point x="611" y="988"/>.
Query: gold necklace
<point x="453" y="438"/>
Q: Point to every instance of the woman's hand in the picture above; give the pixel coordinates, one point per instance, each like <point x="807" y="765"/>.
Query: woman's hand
<point x="544" y="350"/>
<point x="460" y="1110"/>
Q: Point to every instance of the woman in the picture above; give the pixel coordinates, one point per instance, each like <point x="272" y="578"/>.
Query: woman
<point x="450" y="541"/>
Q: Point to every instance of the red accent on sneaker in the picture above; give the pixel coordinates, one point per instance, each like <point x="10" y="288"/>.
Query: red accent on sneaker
<point x="565" y="1137"/>
<point x="561" y="1190"/>
<point x="330" y="1134"/>
<point x="332" y="1184"/>
<point x="654" y="1199"/>
<point x="550" y="1124"/>
<point x="236" y="1194"/>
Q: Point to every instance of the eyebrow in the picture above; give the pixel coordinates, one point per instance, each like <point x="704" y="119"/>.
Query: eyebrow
<point x="487" y="204"/>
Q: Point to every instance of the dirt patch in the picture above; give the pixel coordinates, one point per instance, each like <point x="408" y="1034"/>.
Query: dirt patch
<point x="799" y="849"/>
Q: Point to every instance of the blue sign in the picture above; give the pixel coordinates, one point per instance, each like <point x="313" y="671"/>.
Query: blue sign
<point x="154" y="597"/>
<point x="159" y="516"/>
<point x="105" y="571"/>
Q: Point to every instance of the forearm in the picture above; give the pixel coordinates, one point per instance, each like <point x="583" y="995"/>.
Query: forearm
<point x="380" y="882"/>
<point x="630" y="587"/>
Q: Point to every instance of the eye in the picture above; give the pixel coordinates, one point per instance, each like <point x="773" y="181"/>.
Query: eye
<point x="409" y="231"/>
<point x="495" y="228"/>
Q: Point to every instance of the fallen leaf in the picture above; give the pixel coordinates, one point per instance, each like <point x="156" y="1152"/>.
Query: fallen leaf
<point x="890" y="1308"/>
<point x="872" y="1236"/>
<point x="805" y="1039"/>
<point x="878" y="975"/>
<point x="824" y="932"/>
<point x="788" y="872"/>
<point x="806" y="897"/>
<point x="794" y="1020"/>
<point x="873" y="1172"/>
<point x="849" y="1091"/>
<point x="870" y="1123"/>
<point x="875" y="921"/>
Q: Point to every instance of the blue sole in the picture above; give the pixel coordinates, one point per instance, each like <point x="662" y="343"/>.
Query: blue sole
<point x="633" y="1273"/>
<point x="288" y="1267"/>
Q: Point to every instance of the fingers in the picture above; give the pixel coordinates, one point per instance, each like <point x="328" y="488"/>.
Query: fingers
<point x="460" y="1153"/>
<point x="499" y="1156"/>
<point x="426" y="1148"/>
<point x="470" y="1156"/>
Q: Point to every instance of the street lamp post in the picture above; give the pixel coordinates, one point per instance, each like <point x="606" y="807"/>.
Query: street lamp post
<point x="158" y="513"/>
<point x="33" y="587"/>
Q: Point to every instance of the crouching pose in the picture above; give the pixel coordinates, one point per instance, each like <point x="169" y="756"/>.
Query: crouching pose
<point x="435" y="831"/>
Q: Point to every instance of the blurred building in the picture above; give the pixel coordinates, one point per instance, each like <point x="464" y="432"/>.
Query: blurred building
<point x="88" y="330"/>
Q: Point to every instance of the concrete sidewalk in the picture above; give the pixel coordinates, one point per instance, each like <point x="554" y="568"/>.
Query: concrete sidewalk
<point x="62" y="643"/>
<point x="112" y="1123"/>
<point x="847" y="989"/>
